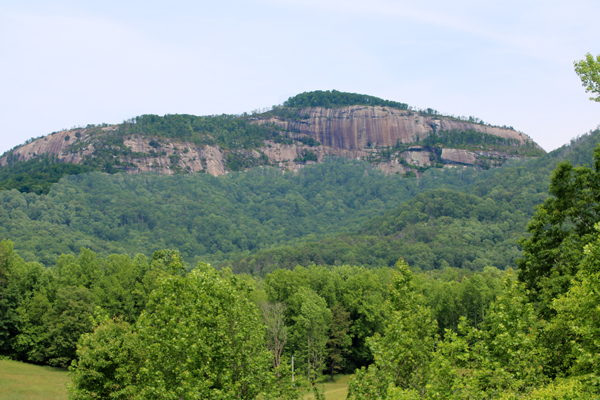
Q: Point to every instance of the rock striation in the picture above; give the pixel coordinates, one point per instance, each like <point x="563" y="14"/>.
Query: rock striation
<point x="389" y="138"/>
<point x="359" y="127"/>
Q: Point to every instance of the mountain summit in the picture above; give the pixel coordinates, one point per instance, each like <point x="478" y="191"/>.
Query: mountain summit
<point x="305" y="129"/>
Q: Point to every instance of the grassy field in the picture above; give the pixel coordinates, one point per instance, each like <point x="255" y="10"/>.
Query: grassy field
<point x="20" y="381"/>
<point x="336" y="390"/>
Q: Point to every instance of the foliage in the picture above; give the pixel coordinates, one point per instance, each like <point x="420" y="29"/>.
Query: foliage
<point x="178" y="349"/>
<point x="577" y="315"/>
<point x="478" y="141"/>
<point x="403" y="355"/>
<point x="108" y="361"/>
<point x="435" y="229"/>
<point x="309" y="332"/>
<point x="589" y="72"/>
<point x="501" y="358"/>
<point x="359" y="291"/>
<point x="560" y="229"/>
<point x="334" y="98"/>
<point x="205" y="217"/>
<point x="339" y="341"/>
<point x="38" y="174"/>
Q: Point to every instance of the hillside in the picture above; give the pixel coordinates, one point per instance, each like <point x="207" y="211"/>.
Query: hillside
<point x="461" y="218"/>
<point x="306" y="129"/>
<point x="235" y="218"/>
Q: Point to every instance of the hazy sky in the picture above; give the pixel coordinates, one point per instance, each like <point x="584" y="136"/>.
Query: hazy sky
<point x="70" y="63"/>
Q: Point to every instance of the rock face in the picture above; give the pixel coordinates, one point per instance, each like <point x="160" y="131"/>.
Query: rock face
<point x="458" y="156"/>
<point x="382" y="136"/>
<point x="359" y="127"/>
<point x="53" y="144"/>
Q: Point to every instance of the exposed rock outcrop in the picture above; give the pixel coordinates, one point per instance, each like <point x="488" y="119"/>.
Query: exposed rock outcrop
<point x="459" y="156"/>
<point x="359" y="127"/>
<point x="391" y="139"/>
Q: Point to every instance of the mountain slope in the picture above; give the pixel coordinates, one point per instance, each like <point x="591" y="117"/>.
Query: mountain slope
<point x="306" y="129"/>
<point x="462" y="218"/>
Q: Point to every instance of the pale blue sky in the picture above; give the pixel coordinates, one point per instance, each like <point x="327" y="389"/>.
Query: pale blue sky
<point x="69" y="63"/>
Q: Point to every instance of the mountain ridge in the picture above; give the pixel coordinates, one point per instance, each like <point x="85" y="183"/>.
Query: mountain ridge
<point x="390" y="135"/>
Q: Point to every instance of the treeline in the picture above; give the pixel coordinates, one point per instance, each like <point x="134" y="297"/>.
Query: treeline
<point x="539" y="338"/>
<point x="38" y="174"/>
<point x="469" y="137"/>
<point x="46" y="310"/>
<point x="434" y="230"/>
<point x="239" y="217"/>
<point x="334" y="98"/>
<point x="227" y="131"/>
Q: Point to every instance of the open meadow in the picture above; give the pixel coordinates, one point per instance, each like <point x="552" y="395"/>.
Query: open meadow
<point x="20" y="381"/>
<point x="336" y="390"/>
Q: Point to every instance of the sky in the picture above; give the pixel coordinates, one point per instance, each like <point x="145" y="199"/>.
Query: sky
<point x="71" y="63"/>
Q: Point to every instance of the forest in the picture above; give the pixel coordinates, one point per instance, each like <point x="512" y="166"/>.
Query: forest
<point x="461" y="264"/>
<point x="462" y="284"/>
<point x="133" y="327"/>
<point x="247" y="220"/>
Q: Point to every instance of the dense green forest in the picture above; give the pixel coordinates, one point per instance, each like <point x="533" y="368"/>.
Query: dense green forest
<point x="240" y="219"/>
<point x="462" y="218"/>
<point x="38" y="175"/>
<point x="454" y="325"/>
<point x="334" y="98"/>
<point x="205" y="217"/>
<point x="46" y="310"/>
<point x="132" y="327"/>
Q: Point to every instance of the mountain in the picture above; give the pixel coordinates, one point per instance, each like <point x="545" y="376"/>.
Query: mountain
<point x="459" y="218"/>
<point x="305" y="129"/>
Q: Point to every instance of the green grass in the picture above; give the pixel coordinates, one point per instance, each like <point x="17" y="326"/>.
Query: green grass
<point x="20" y="381"/>
<point x="336" y="390"/>
<point x="32" y="382"/>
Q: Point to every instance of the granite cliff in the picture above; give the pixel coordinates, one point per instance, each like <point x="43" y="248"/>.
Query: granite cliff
<point x="403" y="141"/>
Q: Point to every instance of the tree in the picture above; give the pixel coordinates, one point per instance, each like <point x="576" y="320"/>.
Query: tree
<point x="578" y="312"/>
<point x="589" y="72"/>
<point x="11" y="271"/>
<point x="273" y="316"/>
<point x="108" y="361"/>
<point x="340" y="339"/>
<point x="310" y="330"/>
<point x="199" y="337"/>
<point x="405" y="352"/>
<point x="203" y="339"/>
<point x="68" y="319"/>
<point x="560" y="228"/>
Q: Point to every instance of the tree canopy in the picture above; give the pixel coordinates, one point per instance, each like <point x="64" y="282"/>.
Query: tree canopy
<point x="588" y="70"/>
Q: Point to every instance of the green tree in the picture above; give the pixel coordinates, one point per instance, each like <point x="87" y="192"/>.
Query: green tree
<point x="66" y="321"/>
<point x="199" y="337"/>
<point x="310" y="330"/>
<point x="108" y="361"/>
<point x="578" y="312"/>
<point x="340" y="339"/>
<point x="202" y="338"/>
<point x="277" y="331"/>
<point x="404" y="354"/>
<point x="560" y="229"/>
<point x="588" y="70"/>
